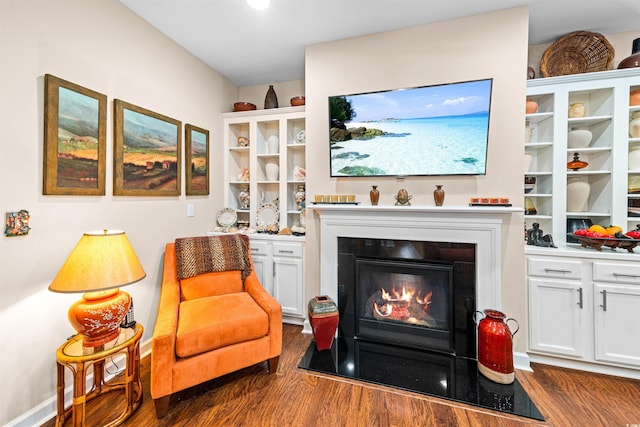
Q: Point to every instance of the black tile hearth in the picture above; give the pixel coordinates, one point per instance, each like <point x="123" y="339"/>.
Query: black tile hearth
<point x="433" y="374"/>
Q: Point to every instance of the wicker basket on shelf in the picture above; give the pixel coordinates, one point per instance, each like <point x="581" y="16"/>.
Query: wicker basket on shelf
<point x="575" y="53"/>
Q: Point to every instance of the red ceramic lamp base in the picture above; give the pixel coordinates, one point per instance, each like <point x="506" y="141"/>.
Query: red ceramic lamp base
<point x="97" y="316"/>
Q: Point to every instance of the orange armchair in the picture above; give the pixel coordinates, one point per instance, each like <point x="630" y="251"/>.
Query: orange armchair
<point x="210" y="325"/>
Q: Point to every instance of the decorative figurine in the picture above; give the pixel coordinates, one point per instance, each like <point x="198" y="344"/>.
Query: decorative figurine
<point x="403" y="198"/>
<point x="536" y="237"/>
<point x="300" y="196"/>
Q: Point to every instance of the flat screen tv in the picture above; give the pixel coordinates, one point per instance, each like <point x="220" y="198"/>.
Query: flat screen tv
<point x="431" y="130"/>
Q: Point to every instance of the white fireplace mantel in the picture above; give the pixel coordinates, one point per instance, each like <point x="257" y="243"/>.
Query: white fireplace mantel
<point x="460" y="224"/>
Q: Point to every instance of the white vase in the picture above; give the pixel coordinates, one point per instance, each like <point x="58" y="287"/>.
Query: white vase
<point x="272" y="171"/>
<point x="528" y="132"/>
<point x="634" y="159"/>
<point x="634" y="125"/>
<point x="578" y="191"/>
<point x="273" y="143"/>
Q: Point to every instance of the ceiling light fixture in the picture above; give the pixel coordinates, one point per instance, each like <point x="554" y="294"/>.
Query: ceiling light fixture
<point x="259" y="4"/>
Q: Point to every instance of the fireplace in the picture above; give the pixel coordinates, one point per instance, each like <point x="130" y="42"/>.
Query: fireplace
<point x="414" y="294"/>
<point x="407" y="281"/>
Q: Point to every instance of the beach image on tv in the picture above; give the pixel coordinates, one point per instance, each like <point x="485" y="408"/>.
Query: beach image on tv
<point x="434" y="130"/>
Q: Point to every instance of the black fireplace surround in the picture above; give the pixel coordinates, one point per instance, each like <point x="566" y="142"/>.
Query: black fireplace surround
<point x="406" y="321"/>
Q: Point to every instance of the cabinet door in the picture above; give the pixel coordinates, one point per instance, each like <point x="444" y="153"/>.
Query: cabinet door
<point x="557" y="317"/>
<point x="288" y="284"/>
<point x="261" y="264"/>
<point x="617" y="329"/>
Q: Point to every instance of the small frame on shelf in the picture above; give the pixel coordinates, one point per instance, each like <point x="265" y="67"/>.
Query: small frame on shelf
<point x="75" y="137"/>
<point x="147" y="152"/>
<point x="196" y="160"/>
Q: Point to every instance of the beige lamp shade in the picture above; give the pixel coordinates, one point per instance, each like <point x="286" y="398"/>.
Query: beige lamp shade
<point x="101" y="260"/>
<point x="100" y="263"/>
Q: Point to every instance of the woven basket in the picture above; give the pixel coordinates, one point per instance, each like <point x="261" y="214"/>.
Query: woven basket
<point x="575" y="53"/>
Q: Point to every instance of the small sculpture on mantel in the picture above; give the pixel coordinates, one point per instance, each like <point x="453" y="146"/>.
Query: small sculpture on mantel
<point x="536" y="237"/>
<point x="403" y="198"/>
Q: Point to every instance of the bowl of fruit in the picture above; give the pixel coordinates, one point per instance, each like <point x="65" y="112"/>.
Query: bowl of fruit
<point x="612" y="237"/>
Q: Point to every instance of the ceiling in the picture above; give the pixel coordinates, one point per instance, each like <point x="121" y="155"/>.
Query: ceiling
<point x="252" y="47"/>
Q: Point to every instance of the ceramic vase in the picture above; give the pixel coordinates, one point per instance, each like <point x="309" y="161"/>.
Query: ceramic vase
<point x="578" y="191"/>
<point x="577" y="109"/>
<point x="438" y="195"/>
<point x="324" y="318"/>
<point x="243" y="197"/>
<point x="632" y="61"/>
<point x="634" y="125"/>
<point x="528" y="133"/>
<point x="300" y="197"/>
<point x="634" y="159"/>
<point x="531" y="106"/>
<point x="374" y="195"/>
<point x="273" y="144"/>
<point x="495" y="347"/>
<point x="272" y="171"/>
<point x="271" y="99"/>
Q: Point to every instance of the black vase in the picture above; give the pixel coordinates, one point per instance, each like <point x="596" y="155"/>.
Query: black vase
<point x="271" y="100"/>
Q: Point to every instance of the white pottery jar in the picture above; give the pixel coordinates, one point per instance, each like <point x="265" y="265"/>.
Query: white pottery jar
<point x="634" y="125"/>
<point x="528" y="132"/>
<point x="577" y="109"/>
<point x="272" y="171"/>
<point x="634" y="158"/>
<point x="578" y="191"/>
<point x="273" y="143"/>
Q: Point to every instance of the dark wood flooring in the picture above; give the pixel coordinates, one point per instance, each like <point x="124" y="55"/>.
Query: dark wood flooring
<point x="296" y="397"/>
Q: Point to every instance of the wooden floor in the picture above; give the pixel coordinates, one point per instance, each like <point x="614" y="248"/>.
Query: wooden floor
<point x="296" y="397"/>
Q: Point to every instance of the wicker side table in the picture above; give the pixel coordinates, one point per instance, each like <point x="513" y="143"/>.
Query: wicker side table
<point x="78" y="359"/>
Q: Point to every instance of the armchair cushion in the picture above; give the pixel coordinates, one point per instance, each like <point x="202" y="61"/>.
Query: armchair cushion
<point x="211" y="284"/>
<point x="209" y="323"/>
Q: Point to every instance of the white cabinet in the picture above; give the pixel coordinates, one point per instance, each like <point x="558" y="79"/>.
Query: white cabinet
<point x="279" y="264"/>
<point x="263" y="151"/>
<point x="616" y="306"/>
<point x="288" y="277"/>
<point x="614" y="187"/>
<point x="585" y="309"/>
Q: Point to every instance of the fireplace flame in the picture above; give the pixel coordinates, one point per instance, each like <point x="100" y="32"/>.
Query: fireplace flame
<point x="403" y="305"/>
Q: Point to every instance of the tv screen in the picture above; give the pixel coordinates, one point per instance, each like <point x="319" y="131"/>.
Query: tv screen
<point x="431" y="130"/>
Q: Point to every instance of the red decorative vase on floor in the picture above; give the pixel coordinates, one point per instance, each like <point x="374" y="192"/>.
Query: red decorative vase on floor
<point x="495" y="347"/>
<point x="323" y="316"/>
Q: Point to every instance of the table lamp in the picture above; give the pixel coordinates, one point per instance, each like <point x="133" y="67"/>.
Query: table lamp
<point x="100" y="263"/>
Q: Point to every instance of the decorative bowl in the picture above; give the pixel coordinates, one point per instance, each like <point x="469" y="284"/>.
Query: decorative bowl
<point x="579" y="138"/>
<point x="296" y="101"/>
<point x="243" y="106"/>
<point x="574" y="224"/>
<point x="598" y="242"/>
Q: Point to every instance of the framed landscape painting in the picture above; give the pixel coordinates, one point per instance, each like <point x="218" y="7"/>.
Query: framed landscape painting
<point x="196" y="160"/>
<point x="147" y="153"/>
<point x="74" y="139"/>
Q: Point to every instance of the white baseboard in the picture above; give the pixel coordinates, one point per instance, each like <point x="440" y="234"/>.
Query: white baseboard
<point x="47" y="410"/>
<point x="521" y="361"/>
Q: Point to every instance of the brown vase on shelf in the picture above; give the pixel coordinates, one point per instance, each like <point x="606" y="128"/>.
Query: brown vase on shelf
<point x="271" y="99"/>
<point x="374" y="195"/>
<point x="438" y="195"/>
<point x="632" y="61"/>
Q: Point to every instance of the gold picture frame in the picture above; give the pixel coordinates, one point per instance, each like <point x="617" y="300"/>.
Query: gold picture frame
<point x="147" y="152"/>
<point x="75" y="138"/>
<point x="196" y="148"/>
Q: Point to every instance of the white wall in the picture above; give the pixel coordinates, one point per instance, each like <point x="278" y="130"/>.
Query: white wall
<point x="103" y="46"/>
<point x="477" y="47"/>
